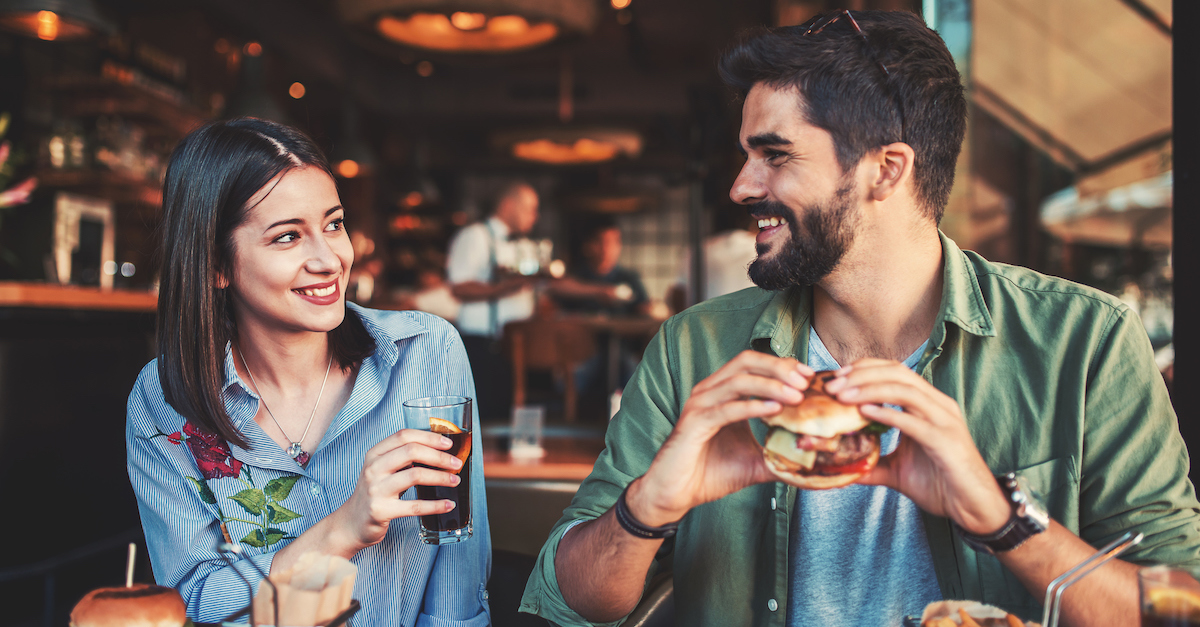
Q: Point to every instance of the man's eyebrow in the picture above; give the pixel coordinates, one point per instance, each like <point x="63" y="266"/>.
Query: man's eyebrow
<point x="767" y="139"/>
<point x="328" y="213"/>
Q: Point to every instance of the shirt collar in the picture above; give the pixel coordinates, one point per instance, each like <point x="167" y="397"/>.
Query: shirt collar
<point x="783" y="325"/>
<point x="499" y="228"/>
<point x="386" y="335"/>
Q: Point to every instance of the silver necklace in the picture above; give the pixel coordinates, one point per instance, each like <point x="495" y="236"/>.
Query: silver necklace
<point x="295" y="450"/>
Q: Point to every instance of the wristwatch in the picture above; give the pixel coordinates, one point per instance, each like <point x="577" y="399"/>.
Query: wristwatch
<point x="1028" y="519"/>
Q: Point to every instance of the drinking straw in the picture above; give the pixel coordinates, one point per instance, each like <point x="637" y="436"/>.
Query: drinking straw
<point x="129" y="565"/>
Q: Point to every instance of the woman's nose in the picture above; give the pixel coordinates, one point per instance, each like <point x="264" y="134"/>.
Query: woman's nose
<point x="322" y="259"/>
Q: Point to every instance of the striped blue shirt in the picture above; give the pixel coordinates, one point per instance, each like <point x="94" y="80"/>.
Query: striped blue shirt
<point x="187" y="482"/>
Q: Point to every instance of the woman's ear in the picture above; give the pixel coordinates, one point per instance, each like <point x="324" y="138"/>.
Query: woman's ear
<point x="895" y="171"/>
<point x="221" y="282"/>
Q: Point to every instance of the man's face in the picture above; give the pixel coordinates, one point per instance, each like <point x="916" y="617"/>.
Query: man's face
<point x="522" y="210"/>
<point x="603" y="250"/>
<point x="806" y="206"/>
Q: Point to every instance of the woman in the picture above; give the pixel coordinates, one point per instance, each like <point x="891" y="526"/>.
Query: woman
<point x="243" y="431"/>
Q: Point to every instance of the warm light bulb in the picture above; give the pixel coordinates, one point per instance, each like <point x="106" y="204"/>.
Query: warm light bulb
<point x="463" y="20"/>
<point x="47" y="25"/>
<point x="508" y="25"/>
<point x="413" y="199"/>
<point x="347" y="168"/>
<point x="620" y="4"/>
<point x="425" y="68"/>
<point x="253" y="49"/>
<point x="296" y="90"/>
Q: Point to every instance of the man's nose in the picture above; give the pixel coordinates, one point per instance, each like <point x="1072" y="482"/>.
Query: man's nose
<point x="748" y="188"/>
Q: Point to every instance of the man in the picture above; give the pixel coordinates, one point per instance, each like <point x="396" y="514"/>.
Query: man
<point x="851" y="141"/>
<point x="490" y="297"/>
<point x="599" y="248"/>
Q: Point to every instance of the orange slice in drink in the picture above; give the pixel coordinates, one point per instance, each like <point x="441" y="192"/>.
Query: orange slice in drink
<point x="1174" y="602"/>
<point x="443" y="426"/>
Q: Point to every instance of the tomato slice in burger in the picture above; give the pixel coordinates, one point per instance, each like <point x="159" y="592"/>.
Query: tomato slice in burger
<point x="856" y="467"/>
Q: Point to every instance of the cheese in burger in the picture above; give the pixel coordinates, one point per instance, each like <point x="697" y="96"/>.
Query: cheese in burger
<point x="821" y="443"/>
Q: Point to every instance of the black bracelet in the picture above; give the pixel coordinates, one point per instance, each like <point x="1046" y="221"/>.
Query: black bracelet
<point x="631" y="524"/>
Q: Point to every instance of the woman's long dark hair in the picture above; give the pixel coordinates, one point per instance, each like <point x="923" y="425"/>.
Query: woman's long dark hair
<point x="212" y="175"/>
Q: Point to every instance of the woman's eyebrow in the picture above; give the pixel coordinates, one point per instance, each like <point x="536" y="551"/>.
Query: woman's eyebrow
<point x="328" y="212"/>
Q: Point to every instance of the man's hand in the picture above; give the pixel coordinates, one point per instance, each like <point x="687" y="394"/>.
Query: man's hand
<point x="936" y="464"/>
<point x="711" y="452"/>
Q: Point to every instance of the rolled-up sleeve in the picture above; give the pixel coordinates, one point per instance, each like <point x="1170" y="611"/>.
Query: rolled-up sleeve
<point x="649" y="408"/>
<point x="1135" y="463"/>
<point x="182" y="531"/>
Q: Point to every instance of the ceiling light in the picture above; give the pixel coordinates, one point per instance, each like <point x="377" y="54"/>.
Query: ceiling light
<point x="53" y="20"/>
<point x="566" y="146"/>
<point x="470" y="25"/>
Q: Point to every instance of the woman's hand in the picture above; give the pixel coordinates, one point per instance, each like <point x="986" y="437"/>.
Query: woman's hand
<point x="388" y="471"/>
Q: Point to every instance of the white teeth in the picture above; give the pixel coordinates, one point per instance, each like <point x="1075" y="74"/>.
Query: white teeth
<point x="782" y="221"/>
<point x="324" y="291"/>
<point x="770" y="222"/>
<point x="774" y="221"/>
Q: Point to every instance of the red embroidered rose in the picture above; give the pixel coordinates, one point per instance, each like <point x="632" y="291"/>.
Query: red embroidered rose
<point x="175" y="438"/>
<point x="211" y="453"/>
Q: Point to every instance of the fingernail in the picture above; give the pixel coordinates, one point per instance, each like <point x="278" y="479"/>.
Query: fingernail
<point x="449" y="505"/>
<point x="447" y="442"/>
<point x="804" y="369"/>
<point x="455" y="479"/>
<point x="835" y="385"/>
<point x="795" y="378"/>
<point x="844" y="371"/>
<point x="455" y="462"/>
<point x="849" y="394"/>
<point x="869" y="407"/>
<point x="772" y="406"/>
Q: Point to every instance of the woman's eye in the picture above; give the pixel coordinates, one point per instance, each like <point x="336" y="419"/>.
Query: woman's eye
<point x="286" y="238"/>
<point x="336" y="225"/>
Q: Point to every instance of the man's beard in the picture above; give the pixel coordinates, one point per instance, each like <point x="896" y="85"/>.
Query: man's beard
<point x="819" y="239"/>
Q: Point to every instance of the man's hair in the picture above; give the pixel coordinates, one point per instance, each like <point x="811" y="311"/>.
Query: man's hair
<point x="843" y="91"/>
<point x="510" y="189"/>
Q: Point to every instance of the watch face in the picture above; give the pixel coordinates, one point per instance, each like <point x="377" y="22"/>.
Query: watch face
<point x="1033" y="507"/>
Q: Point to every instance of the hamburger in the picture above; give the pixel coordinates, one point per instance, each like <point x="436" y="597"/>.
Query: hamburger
<point x="821" y="443"/>
<point x="140" y="605"/>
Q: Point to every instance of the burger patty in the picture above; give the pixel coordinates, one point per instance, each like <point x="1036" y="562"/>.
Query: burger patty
<point x="852" y="447"/>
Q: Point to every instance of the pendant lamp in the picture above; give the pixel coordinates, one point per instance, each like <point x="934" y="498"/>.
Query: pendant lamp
<point x="471" y="26"/>
<point x="53" y="20"/>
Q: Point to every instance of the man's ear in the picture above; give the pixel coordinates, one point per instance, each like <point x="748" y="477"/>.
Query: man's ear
<point x="895" y="170"/>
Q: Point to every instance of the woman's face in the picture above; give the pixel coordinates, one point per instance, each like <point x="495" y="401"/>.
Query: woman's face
<point x="291" y="257"/>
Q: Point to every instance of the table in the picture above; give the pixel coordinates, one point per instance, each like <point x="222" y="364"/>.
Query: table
<point x="616" y="329"/>
<point x="567" y="459"/>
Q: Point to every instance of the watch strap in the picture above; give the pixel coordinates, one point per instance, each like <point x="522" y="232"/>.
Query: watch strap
<point x="635" y="527"/>
<point x="1019" y="528"/>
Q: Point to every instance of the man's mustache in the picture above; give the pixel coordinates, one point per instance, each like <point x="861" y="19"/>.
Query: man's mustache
<point x="768" y="209"/>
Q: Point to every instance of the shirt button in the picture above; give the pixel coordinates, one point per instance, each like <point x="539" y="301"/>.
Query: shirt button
<point x="316" y="489"/>
<point x="774" y="504"/>
<point x="772" y="605"/>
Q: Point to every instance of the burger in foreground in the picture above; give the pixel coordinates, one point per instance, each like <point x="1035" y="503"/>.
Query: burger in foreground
<point x="821" y="443"/>
<point x="141" y="605"/>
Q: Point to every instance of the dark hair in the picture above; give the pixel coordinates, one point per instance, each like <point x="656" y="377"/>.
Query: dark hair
<point x="843" y="90"/>
<point x="212" y="175"/>
<point x="591" y="226"/>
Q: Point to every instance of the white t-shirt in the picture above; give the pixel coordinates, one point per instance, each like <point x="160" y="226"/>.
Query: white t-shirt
<point x="471" y="259"/>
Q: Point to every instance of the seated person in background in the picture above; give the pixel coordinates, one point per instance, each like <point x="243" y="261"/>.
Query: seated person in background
<point x="620" y="291"/>
<point x="727" y="256"/>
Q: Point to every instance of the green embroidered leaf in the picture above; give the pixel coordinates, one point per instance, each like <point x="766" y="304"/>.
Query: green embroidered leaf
<point x="277" y="513"/>
<point x="280" y="488"/>
<point x="252" y="501"/>
<point x="274" y="535"/>
<point x="255" y="539"/>
<point x="206" y="494"/>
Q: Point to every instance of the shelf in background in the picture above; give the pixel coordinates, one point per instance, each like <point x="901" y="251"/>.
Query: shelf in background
<point x="113" y="186"/>
<point x="98" y="95"/>
<point x="48" y="296"/>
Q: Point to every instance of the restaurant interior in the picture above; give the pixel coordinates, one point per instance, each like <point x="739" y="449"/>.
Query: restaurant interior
<point x="611" y="110"/>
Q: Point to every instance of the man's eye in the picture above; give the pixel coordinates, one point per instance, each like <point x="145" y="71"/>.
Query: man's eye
<point x="775" y="157"/>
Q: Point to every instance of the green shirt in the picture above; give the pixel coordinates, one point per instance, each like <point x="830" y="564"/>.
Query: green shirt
<point x="1055" y="380"/>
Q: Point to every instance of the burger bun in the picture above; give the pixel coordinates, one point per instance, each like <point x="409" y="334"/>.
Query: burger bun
<point x="141" y="605"/>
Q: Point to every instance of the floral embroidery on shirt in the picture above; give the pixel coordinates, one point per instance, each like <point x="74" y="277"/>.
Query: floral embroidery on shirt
<point x="216" y="461"/>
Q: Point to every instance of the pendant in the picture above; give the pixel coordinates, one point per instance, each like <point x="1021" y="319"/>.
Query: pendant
<point x="294" y="450"/>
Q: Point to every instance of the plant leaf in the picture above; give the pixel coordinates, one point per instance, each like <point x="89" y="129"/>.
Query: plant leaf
<point x="255" y="539"/>
<point x="277" y="513"/>
<point x="279" y="489"/>
<point x="252" y="501"/>
<point x="206" y="494"/>
<point x="875" y="428"/>
<point x="274" y="535"/>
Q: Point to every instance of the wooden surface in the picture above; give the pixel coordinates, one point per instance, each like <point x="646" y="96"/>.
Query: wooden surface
<point x="567" y="459"/>
<point x="49" y="296"/>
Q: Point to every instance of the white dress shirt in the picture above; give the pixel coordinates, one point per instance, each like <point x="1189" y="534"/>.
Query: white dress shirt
<point x="474" y="253"/>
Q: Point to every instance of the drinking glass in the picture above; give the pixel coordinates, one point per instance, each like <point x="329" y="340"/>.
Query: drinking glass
<point x="451" y="417"/>
<point x="1170" y="596"/>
